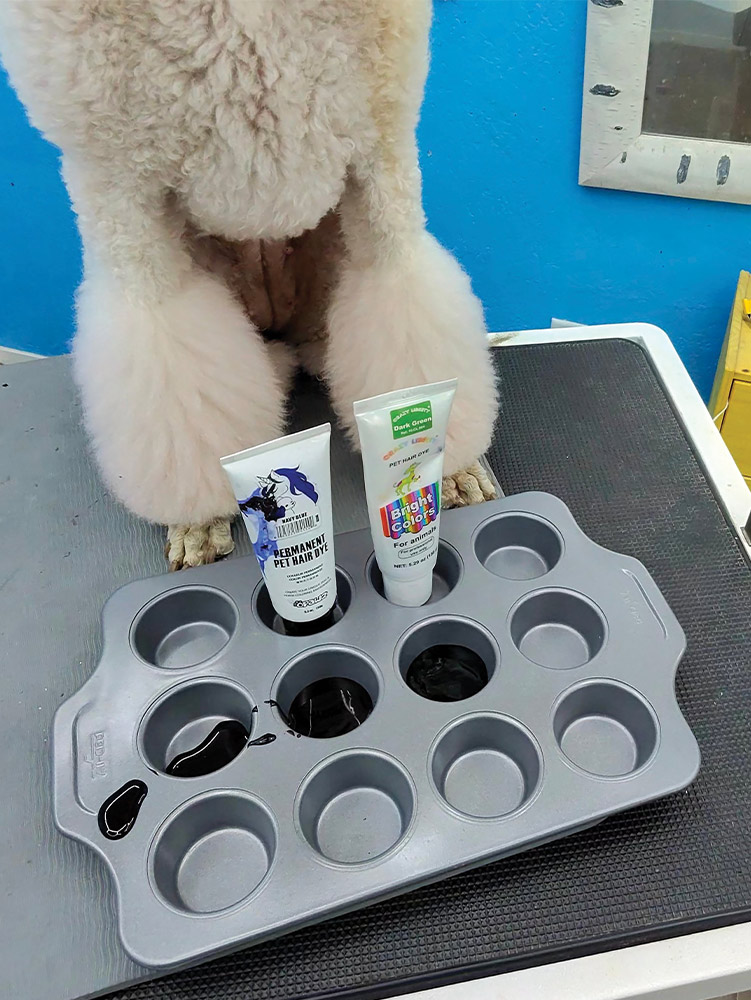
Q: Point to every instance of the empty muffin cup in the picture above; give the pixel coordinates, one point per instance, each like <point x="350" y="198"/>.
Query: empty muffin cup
<point x="485" y="766"/>
<point x="355" y="807"/>
<point x="184" y="627"/>
<point x="518" y="546"/>
<point x="605" y="729"/>
<point x="327" y="692"/>
<point x="268" y="616"/>
<point x="557" y="629"/>
<point x="446" y="574"/>
<point x="197" y="727"/>
<point x="447" y="659"/>
<point x="213" y="853"/>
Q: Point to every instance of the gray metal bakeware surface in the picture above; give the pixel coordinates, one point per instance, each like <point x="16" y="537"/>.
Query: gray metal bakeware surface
<point x="576" y="719"/>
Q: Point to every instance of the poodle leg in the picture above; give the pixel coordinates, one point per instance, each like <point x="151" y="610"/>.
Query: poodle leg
<point x="171" y="372"/>
<point x="404" y="312"/>
<point x="196" y="544"/>
<point x="412" y="321"/>
<point x="462" y="489"/>
<point x="199" y="544"/>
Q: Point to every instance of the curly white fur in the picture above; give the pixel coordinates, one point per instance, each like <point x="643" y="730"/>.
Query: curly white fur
<point x="209" y="389"/>
<point x="416" y="321"/>
<point x="244" y="119"/>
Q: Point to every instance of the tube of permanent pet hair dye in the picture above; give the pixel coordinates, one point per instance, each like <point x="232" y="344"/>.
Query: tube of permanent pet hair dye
<point x="283" y="489"/>
<point x="402" y="436"/>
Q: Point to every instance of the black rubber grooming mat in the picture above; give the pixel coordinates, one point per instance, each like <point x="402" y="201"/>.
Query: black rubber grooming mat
<point x="590" y="423"/>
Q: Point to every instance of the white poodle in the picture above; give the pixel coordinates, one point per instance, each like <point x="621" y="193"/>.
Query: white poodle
<point x="236" y="166"/>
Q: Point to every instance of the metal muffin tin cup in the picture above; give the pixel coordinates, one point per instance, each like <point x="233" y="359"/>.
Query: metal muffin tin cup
<point x="574" y="719"/>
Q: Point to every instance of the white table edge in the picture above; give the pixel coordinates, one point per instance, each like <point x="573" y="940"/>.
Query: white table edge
<point x="691" y="967"/>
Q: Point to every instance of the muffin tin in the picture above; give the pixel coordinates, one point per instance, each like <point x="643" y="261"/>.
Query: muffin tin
<point x="578" y="720"/>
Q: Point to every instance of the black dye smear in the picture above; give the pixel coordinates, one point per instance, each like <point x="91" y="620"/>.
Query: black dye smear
<point x="329" y="707"/>
<point x="296" y="629"/>
<point x="119" y="812"/>
<point x="225" y="741"/>
<point x="447" y="673"/>
<point x="262" y="741"/>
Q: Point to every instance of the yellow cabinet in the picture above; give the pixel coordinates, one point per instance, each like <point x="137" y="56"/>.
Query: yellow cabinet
<point x="736" y="425"/>
<point x="730" y="404"/>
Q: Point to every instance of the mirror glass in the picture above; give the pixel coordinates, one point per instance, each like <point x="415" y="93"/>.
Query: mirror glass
<point x="699" y="70"/>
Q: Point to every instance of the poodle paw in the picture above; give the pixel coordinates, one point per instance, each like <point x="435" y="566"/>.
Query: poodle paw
<point x="468" y="487"/>
<point x="197" y="544"/>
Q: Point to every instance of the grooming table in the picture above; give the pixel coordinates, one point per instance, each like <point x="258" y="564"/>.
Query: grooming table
<point x="604" y="417"/>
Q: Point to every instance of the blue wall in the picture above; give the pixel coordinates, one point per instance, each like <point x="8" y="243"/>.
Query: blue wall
<point x="40" y="253"/>
<point x="500" y="141"/>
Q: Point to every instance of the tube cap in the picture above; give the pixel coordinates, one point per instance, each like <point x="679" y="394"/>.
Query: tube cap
<point x="409" y="593"/>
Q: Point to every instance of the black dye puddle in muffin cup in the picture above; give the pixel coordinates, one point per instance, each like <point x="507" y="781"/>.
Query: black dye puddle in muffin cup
<point x="332" y="706"/>
<point x="327" y="692"/>
<point x="447" y="673"/>
<point x="447" y="658"/>
<point x="225" y="741"/>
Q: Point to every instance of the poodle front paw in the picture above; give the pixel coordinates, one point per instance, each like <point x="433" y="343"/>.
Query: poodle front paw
<point x="471" y="486"/>
<point x="197" y="544"/>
